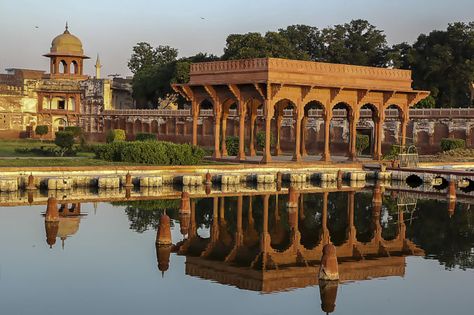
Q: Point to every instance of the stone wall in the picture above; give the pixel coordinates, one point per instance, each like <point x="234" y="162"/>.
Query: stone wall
<point x="425" y="129"/>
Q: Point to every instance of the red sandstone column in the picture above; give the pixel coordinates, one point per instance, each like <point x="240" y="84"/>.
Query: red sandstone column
<point x="269" y="110"/>
<point x="278" y="120"/>
<point x="217" y="131"/>
<point x="265" y="241"/>
<point x="350" y="213"/>
<point x="329" y="270"/>
<point x="404" y="124"/>
<point x="324" y="219"/>
<point x="297" y="154"/>
<point x="195" y="121"/>
<point x="52" y="213"/>
<point x="163" y="237"/>
<point x="379" y="123"/>
<point x="242" y="112"/>
<point x="354" y="118"/>
<point x="327" y="122"/>
<point x="224" y="132"/>
<point x="239" y="236"/>
<point x="303" y="136"/>
<point x="253" y="118"/>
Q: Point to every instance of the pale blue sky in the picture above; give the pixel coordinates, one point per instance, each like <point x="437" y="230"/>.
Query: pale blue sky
<point x="111" y="28"/>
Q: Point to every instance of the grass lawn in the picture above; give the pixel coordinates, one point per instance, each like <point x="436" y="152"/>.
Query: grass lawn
<point x="7" y="147"/>
<point x="10" y="158"/>
<point x="57" y="162"/>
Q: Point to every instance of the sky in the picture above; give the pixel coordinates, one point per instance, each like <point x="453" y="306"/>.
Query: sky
<point x="111" y="28"/>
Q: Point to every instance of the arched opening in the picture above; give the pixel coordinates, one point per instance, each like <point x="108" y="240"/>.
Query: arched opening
<point x="253" y="109"/>
<point x="392" y="128"/>
<point x="229" y="108"/>
<point x="284" y="131"/>
<point x="310" y="220"/>
<point x="337" y="220"/>
<point x="440" y="183"/>
<point x="59" y="124"/>
<point x="154" y="126"/>
<point x="63" y="67"/>
<point x="440" y="131"/>
<point x="74" y="67"/>
<point x="414" y="181"/>
<point x="206" y="129"/>
<point x="340" y="133"/>
<point x="278" y="226"/>
<point x="312" y="129"/>
<point x="366" y="128"/>
<point x="137" y="126"/>
<point x="467" y="185"/>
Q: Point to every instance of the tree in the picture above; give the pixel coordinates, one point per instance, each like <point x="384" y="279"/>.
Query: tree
<point x="65" y="141"/>
<point x="443" y="62"/>
<point x="143" y="56"/>
<point x="254" y="45"/>
<point x="41" y="130"/>
<point x="357" y="42"/>
<point x="306" y="39"/>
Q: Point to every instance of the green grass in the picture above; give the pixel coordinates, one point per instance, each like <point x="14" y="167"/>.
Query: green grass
<point x="10" y="158"/>
<point x="7" y="147"/>
<point x="56" y="162"/>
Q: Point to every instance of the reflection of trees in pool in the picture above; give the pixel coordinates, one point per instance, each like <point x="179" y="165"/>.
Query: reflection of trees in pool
<point x="363" y="217"/>
<point x="145" y="214"/>
<point x="310" y="222"/>
<point x="390" y="218"/>
<point x="337" y="217"/>
<point x="450" y="240"/>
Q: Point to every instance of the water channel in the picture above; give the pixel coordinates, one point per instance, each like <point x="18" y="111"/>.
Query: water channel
<point x="241" y="253"/>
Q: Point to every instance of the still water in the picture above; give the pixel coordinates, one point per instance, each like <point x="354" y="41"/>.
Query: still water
<point x="247" y="254"/>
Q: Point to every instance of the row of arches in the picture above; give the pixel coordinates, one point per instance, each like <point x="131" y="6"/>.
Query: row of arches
<point x="299" y="122"/>
<point x="66" y="66"/>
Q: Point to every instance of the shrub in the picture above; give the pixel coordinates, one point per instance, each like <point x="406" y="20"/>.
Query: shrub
<point x="232" y="145"/>
<point x="362" y="143"/>
<point x="451" y="144"/>
<point x="65" y="141"/>
<point x="115" y="135"/>
<point x="75" y="130"/>
<point x="41" y="130"/>
<point x="261" y="140"/>
<point x="143" y="136"/>
<point x="150" y="152"/>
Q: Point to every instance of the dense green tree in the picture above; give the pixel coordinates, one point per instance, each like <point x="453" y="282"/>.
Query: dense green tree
<point x="307" y="40"/>
<point x="254" y="45"/>
<point x="357" y="42"/>
<point x="443" y="62"/>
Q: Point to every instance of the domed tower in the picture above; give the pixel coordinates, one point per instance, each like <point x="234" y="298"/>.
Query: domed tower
<point x="66" y="57"/>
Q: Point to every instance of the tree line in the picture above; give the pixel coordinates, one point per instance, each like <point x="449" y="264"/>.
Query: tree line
<point x="442" y="61"/>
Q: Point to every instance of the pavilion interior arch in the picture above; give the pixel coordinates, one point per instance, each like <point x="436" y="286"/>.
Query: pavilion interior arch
<point x="313" y="114"/>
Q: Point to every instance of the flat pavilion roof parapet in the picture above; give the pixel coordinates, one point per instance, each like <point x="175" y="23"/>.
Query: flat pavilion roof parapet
<point x="296" y="72"/>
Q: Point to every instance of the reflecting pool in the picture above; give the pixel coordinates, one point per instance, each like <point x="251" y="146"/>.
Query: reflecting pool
<point x="241" y="252"/>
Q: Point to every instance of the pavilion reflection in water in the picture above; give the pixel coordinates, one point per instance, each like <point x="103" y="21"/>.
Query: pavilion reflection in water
<point x="260" y="259"/>
<point x="66" y="225"/>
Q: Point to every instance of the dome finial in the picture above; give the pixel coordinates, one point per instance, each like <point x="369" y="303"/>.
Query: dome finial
<point x="66" y="31"/>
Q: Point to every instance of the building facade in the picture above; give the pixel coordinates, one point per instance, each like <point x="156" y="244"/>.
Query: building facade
<point x="63" y="97"/>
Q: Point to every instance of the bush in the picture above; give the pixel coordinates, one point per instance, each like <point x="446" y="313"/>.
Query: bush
<point x="143" y="136"/>
<point x="75" y="130"/>
<point x="150" y="152"/>
<point x="115" y="135"/>
<point x="41" y="130"/>
<point x="232" y="145"/>
<point x="451" y="144"/>
<point x="362" y="143"/>
<point x="65" y="141"/>
<point x="261" y="140"/>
